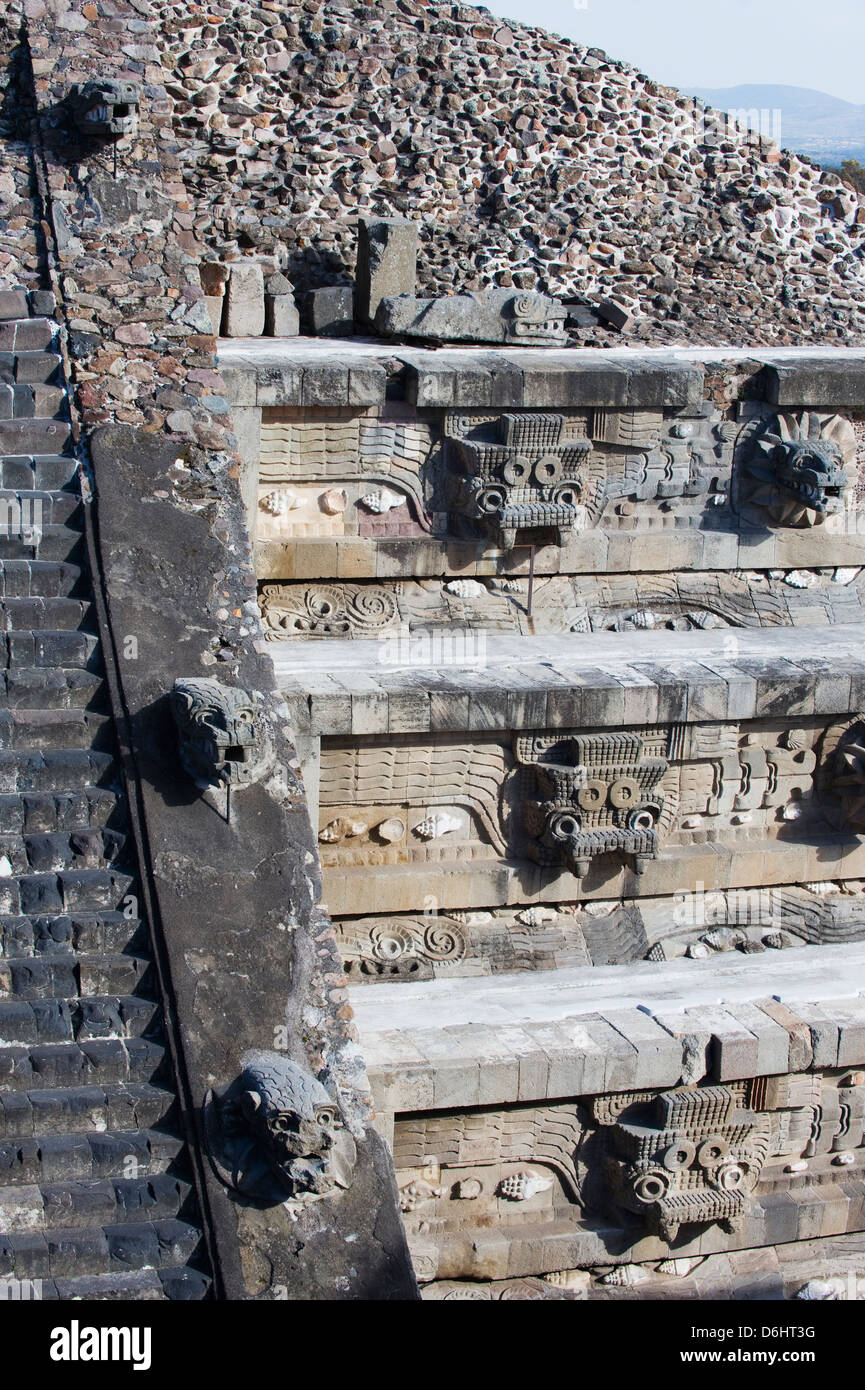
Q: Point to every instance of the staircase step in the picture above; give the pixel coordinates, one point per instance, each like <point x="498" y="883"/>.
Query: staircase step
<point x="70" y="1252"/>
<point x="52" y="648"/>
<point x="45" y="614"/>
<point x="56" y="977"/>
<point x="72" y="890"/>
<point x="39" y="472"/>
<point x="32" y="730"/>
<point x="26" y="334"/>
<point x="137" y="1285"/>
<point x="48" y="543"/>
<point x="30" y="400"/>
<point x="84" y="1108"/>
<point x="87" y="1157"/>
<point x="53" y="852"/>
<point x="43" y="507"/>
<point x="58" y="771"/>
<point x="42" y="437"/>
<point x="100" y="1060"/>
<point x="38" y="813"/>
<point x="46" y="688"/>
<point x="76" y="1019"/>
<point x="41" y="578"/>
<point x="103" y="933"/>
<point x="41" y="524"/>
<point x="30" y="364"/>
<point x="94" y="1203"/>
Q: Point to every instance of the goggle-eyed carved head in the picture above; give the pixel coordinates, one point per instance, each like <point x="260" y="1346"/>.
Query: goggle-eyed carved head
<point x="710" y="1164"/>
<point x="536" y="315"/>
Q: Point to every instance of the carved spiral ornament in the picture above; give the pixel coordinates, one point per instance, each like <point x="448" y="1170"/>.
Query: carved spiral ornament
<point x="525" y="306"/>
<point x="372" y="608"/>
<point x="391" y="941"/>
<point x="324" y="604"/>
<point x="437" y="940"/>
<point x="442" y="941"/>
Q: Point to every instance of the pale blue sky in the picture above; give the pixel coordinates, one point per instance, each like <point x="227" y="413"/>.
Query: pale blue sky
<point x="802" y="43"/>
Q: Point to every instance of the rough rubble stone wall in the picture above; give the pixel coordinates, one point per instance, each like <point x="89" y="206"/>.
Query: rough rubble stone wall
<point x="20" y="263"/>
<point x="527" y="159"/>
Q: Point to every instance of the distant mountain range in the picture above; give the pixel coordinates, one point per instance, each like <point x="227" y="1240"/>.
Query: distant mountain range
<point x="813" y="123"/>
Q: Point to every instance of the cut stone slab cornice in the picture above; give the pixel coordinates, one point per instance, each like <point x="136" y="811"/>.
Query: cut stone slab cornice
<point x="582" y="679"/>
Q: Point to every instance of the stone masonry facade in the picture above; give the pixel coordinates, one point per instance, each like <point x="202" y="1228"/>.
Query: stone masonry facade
<point x="576" y="784"/>
<point x="433" y="775"/>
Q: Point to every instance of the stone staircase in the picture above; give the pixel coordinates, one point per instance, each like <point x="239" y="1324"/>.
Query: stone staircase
<point x="95" y="1194"/>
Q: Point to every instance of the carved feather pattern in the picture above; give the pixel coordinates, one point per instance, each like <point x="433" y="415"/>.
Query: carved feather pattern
<point x="543" y="1134"/>
<point x="419" y="776"/>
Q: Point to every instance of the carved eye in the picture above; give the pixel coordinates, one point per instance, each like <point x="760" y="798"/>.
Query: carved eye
<point x="592" y="795"/>
<point x="516" y="470"/>
<point x="652" y="1186"/>
<point x="326" y="1117"/>
<point x="731" y="1177"/>
<point x="565" y="827"/>
<point x="244" y="716"/>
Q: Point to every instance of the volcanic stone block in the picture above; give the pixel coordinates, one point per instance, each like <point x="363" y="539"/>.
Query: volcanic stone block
<point x="244" y="302"/>
<point x="42" y="302"/>
<point x="490" y="316"/>
<point x="386" y="263"/>
<point x="616" y="315"/>
<point x="214" y="277"/>
<point x="214" y="304"/>
<point x="13" y="304"/>
<point x="281" y="319"/>
<point x="830" y="384"/>
<point x="332" y="311"/>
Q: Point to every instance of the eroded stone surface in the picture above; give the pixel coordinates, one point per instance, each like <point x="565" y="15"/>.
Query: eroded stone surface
<point x="539" y="973"/>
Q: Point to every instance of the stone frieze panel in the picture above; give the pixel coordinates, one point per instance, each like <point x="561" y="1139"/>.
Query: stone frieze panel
<point x="423" y="608"/>
<point x="694" y="923"/>
<point x="564" y="798"/>
<point x="503" y="478"/>
<point x="638" y="1174"/>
